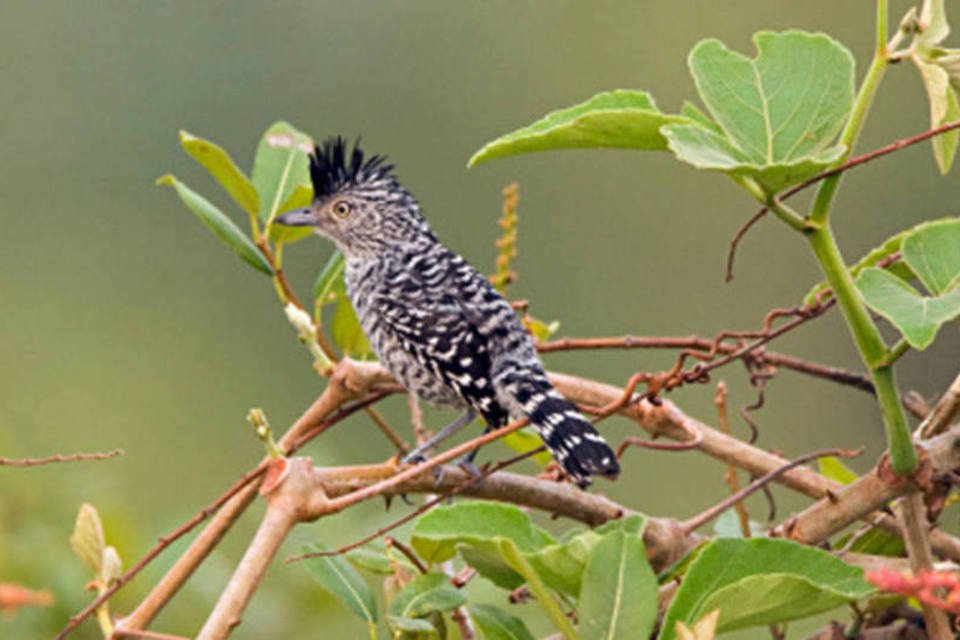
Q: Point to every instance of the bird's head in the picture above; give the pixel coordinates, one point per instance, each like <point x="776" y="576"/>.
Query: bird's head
<point x="357" y="202"/>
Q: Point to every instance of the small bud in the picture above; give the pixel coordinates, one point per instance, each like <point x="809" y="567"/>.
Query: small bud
<point x="300" y="320"/>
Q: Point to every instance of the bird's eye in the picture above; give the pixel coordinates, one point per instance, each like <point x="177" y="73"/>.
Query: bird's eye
<point x="342" y="209"/>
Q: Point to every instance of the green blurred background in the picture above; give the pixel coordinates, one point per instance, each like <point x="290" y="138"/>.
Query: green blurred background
<point x="123" y="323"/>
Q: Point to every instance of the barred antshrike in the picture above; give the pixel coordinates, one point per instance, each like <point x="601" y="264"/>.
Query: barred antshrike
<point x="434" y="322"/>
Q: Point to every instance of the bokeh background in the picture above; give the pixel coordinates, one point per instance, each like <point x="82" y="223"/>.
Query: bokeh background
<point x="123" y="323"/>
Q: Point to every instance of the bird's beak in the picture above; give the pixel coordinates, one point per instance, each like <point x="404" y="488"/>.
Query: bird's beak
<point x="297" y="218"/>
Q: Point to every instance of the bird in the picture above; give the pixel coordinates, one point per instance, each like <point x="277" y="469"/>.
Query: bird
<point x="435" y="323"/>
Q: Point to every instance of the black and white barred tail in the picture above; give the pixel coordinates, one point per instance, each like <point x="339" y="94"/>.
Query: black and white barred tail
<point x="572" y="441"/>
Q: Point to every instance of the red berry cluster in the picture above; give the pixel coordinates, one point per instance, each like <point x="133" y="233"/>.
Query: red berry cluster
<point x="940" y="589"/>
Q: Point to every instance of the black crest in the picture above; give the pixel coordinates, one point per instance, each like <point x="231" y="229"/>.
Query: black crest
<point x="333" y="166"/>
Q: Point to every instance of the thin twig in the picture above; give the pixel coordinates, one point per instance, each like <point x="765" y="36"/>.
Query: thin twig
<point x="59" y="457"/>
<point x="730" y="476"/>
<point x="163" y="542"/>
<point x="896" y="145"/>
<point x="408" y="552"/>
<point x="836" y="374"/>
<point x="706" y="516"/>
<point x="472" y="481"/>
<point x="398" y="443"/>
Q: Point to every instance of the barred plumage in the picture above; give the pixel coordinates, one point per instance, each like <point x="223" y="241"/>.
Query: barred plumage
<point x="435" y="322"/>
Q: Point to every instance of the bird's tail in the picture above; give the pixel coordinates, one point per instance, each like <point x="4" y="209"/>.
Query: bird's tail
<point x="572" y="441"/>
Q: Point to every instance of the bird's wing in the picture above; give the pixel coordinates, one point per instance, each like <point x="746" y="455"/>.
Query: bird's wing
<point x="431" y="323"/>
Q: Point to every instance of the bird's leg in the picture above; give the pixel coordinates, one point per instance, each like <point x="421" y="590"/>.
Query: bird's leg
<point x="418" y="453"/>
<point x="465" y="461"/>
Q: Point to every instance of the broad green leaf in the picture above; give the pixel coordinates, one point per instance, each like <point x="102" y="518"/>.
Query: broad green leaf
<point x="370" y="560"/>
<point x="219" y="224"/>
<point x="890" y="246"/>
<point x="329" y="285"/>
<point x="943" y="109"/>
<point x="613" y="119"/>
<point x="562" y="565"/>
<point x="785" y="597"/>
<point x="490" y="565"/>
<point x="512" y="555"/>
<point x="87" y="538"/>
<point x="832" y="468"/>
<point x="933" y="252"/>
<point x="224" y="170"/>
<point x="342" y="581"/>
<point x="633" y="524"/>
<point x="426" y="594"/>
<point x="437" y="533"/>
<point x="301" y="197"/>
<point x="876" y="542"/>
<point x="525" y="440"/>
<point x="778" y="112"/>
<point x="347" y="333"/>
<point x="705" y="149"/>
<point x="496" y="624"/>
<point x="280" y="164"/>
<point x="412" y="627"/>
<point x="729" y="573"/>
<point x="916" y="316"/>
<point x="699" y="118"/>
<point x="618" y="599"/>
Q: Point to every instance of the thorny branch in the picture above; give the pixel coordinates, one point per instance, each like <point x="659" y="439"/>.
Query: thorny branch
<point x="352" y="380"/>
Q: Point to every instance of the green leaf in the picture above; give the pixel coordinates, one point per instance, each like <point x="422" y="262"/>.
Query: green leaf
<point x="875" y="542"/>
<point x="412" y="627"/>
<point x="426" y="594"/>
<point x="795" y="581"/>
<point x="342" y="581"/>
<point x="619" y="594"/>
<point x="613" y="119"/>
<point x="280" y="165"/>
<point x="525" y="440"/>
<point x="916" y="316"/>
<point x="370" y="560"/>
<point x="301" y="197"/>
<point x="219" y="224"/>
<point x="490" y="565"/>
<point x="496" y="624"/>
<point x="778" y="112"/>
<point x="346" y="331"/>
<point x="329" y="286"/>
<point x="832" y="468"/>
<point x="513" y="557"/>
<point x="705" y="149"/>
<point x="933" y="252"/>
<point x="943" y="109"/>
<point x="693" y="112"/>
<point x="224" y="170"/>
<point x="889" y="247"/>
<point x="437" y="533"/>
<point x="87" y="539"/>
